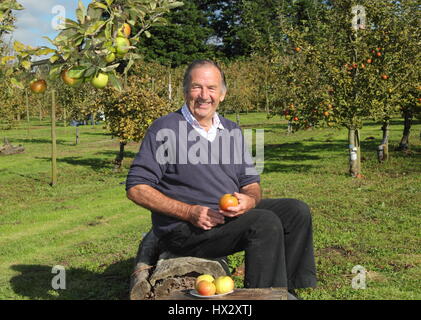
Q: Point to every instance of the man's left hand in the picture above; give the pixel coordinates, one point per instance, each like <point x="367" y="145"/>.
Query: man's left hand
<point x="245" y="203"/>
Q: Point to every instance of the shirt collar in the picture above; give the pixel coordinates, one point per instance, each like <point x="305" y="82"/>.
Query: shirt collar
<point x="216" y="122"/>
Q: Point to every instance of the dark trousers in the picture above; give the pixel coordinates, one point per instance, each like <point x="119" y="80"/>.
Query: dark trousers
<point x="276" y="237"/>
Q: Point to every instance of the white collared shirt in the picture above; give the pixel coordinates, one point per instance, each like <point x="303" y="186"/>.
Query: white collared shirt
<point x="211" y="133"/>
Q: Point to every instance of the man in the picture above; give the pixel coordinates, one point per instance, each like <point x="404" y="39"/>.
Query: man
<point x="182" y="189"/>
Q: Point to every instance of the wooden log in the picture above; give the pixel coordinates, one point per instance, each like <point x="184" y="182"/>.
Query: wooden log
<point x="158" y="274"/>
<point x="238" y="294"/>
<point x="146" y="258"/>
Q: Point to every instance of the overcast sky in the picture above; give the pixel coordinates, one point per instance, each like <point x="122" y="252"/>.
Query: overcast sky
<point x="35" y="21"/>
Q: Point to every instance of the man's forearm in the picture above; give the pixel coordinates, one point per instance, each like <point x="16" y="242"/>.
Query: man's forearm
<point x="253" y="190"/>
<point x="150" y="198"/>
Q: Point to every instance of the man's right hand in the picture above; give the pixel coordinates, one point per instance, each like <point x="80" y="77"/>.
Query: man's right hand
<point x="204" y="217"/>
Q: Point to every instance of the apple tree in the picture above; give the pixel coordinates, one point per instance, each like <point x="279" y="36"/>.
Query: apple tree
<point x="347" y="59"/>
<point x="129" y="113"/>
<point x="98" y="47"/>
<point x="6" y="15"/>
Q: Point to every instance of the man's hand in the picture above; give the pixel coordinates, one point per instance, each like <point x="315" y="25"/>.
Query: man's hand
<point x="204" y="217"/>
<point x="245" y="203"/>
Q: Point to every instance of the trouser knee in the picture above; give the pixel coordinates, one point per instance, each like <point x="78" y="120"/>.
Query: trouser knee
<point x="268" y="224"/>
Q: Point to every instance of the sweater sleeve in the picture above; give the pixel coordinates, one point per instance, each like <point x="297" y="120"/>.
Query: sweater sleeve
<point x="145" y="168"/>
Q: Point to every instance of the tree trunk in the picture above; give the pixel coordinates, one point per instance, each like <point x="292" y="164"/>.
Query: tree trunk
<point x="119" y="159"/>
<point x="77" y="135"/>
<point x="237" y="116"/>
<point x="383" y="148"/>
<point x="53" y="140"/>
<point x="93" y="115"/>
<point x="40" y="110"/>
<point x="27" y="111"/>
<point x="404" y="144"/>
<point x="64" y="117"/>
<point x="354" y="152"/>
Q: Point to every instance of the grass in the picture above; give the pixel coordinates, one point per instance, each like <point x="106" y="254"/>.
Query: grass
<point x="86" y="224"/>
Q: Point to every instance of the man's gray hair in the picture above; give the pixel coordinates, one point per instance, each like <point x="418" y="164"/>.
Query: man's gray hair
<point x="197" y="64"/>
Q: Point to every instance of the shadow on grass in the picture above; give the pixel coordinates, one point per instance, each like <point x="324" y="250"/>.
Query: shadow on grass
<point x="29" y="140"/>
<point x="35" y="282"/>
<point x="94" y="163"/>
<point x="269" y="127"/>
<point x="97" y="133"/>
<point x="127" y="154"/>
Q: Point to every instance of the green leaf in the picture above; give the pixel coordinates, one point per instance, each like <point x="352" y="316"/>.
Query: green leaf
<point x="115" y="82"/>
<point x="55" y="71"/>
<point x="110" y="68"/>
<point x="18" y="46"/>
<point x="99" y="5"/>
<point x="95" y="28"/>
<point x="54" y="58"/>
<point x="76" y="72"/>
<point x="109" y="2"/>
<point x="90" y="72"/>
<point x="69" y="23"/>
<point x="108" y="30"/>
<point x="6" y="59"/>
<point x="175" y="5"/>
<point x="26" y="64"/>
<point x="16" y="83"/>
<point x="81" y="12"/>
<point x="44" y="51"/>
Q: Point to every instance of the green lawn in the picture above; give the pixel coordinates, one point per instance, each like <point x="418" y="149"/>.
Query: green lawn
<point x="86" y="224"/>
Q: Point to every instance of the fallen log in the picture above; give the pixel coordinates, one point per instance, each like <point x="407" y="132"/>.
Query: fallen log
<point x="9" y="149"/>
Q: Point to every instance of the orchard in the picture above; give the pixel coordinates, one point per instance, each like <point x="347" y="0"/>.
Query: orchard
<point x="334" y="85"/>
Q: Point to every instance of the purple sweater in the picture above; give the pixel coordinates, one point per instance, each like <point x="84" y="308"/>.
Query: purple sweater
<point x="177" y="161"/>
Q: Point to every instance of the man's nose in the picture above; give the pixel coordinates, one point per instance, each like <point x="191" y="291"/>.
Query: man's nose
<point x="204" y="94"/>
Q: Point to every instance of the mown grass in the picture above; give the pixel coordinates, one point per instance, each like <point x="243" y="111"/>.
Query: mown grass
<point x="86" y="224"/>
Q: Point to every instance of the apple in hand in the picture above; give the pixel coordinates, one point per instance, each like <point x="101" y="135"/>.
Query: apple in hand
<point x="224" y="284"/>
<point x="226" y="201"/>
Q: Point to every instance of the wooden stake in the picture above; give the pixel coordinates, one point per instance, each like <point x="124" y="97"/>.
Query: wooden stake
<point x="53" y="140"/>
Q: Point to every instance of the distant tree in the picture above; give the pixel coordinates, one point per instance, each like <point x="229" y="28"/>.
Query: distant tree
<point x="185" y="37"/>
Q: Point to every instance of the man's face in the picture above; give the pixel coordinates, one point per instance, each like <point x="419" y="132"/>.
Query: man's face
<point x="205" y="92"/>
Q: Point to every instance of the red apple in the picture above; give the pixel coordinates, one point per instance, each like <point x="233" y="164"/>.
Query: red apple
<point x="226" y="201"/>
<point x="204" y="277"/>
<point x="38" y="86"/>
<point x="206" y="288"/>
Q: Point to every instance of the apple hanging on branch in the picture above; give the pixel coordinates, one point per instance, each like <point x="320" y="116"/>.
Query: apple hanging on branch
<point x="99" y="47"/>
<point x="20" y="65"/>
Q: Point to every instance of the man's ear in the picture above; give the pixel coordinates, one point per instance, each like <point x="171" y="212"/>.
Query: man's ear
<point x="222" y="97"/>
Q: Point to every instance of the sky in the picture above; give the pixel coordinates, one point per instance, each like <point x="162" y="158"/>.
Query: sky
<point x="38" y="17"/>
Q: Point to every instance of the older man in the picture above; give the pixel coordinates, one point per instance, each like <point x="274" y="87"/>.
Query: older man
<point x="181" y="171"/>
